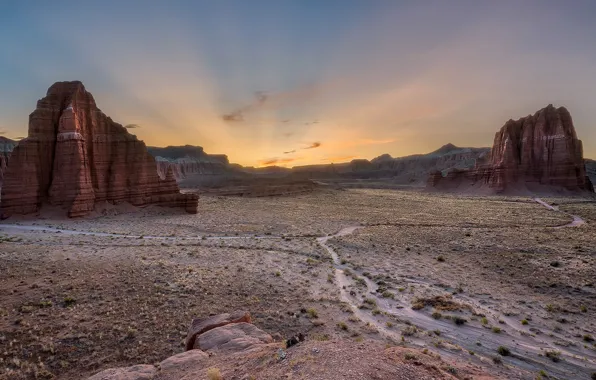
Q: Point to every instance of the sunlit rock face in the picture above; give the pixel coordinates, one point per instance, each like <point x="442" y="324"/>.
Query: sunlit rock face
<point x="536" y="152"/>
<point x="75" y="156"/>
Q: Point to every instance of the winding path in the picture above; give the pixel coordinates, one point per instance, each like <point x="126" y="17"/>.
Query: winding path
<point x="529" y="347"/>
<point x="577" y="221"/>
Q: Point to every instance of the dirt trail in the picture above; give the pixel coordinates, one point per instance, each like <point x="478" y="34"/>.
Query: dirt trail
<point x="577" y="221"/>
<point x="528" y="347"/>
<point x="45" y="229"/>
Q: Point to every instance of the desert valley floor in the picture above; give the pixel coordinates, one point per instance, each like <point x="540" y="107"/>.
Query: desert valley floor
<point x="487" y="281"/>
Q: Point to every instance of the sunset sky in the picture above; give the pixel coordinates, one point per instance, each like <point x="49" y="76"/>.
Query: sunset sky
<point x="306" y="81"/>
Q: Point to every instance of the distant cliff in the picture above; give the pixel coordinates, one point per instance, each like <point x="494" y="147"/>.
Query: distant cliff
<point x="6" y="148"/>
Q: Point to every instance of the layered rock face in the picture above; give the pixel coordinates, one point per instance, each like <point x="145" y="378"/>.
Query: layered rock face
<point x="76" y="156"/>
<point x="536" y="152"/>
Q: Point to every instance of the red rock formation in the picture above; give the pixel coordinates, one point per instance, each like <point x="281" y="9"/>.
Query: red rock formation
<point x="76" y="156"/>
<point x="536" y="152"/>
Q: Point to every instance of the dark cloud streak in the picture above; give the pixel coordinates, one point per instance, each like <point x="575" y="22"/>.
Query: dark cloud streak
<point x="314" y="145"/>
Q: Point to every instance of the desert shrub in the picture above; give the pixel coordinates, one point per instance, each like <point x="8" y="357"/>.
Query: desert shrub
<point x="496" y="330"/>
<point x="524" y="322"/>
<point x="321" y="337"/>
<point x="342" y="326"/>
<point x="503" y="351"/>
<point x="312" y="313"/>
<point x="69" y="301"/>
<point x="214" y="374"/>
<point x="555" y="356"/>
<point x="409" y="331"/>
<point x="440" y="259"/>
<point x="370" y="301"/>
<point x="459" y="320"/>
<point x="388" y="294"/>
<point x="436" y="315"/>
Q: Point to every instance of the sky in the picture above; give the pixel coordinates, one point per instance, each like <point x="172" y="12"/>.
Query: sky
<point x="307" y="81"/>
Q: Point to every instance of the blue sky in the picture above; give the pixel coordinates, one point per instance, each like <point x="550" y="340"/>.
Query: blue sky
<point x="255" y="79"/>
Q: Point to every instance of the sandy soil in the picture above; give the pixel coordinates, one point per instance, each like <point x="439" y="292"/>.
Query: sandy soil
<point x="73" y="303"/>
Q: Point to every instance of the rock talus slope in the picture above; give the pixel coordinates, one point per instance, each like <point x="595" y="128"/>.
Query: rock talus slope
<point x="539" y="151"/>
<point x="76" y="156"/>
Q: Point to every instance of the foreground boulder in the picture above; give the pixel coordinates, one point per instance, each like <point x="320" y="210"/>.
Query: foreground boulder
<point x="199" y="326"/>
<point x="232" y="338"/>
<point x="540" y="152"/>
<point x="75" y="156"/>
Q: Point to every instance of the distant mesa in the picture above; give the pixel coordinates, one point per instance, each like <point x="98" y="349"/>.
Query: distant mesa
<point x="537" y="153"/>
<point x="188" y="161"/>
<point x="75" y="157"/>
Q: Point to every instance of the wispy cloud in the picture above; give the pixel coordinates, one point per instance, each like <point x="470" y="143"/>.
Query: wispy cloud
<point x="290" y="151"/>
<point x="276" y="161"/>
<point x="238" y="115"/>
<point x="314" y="145"/>
<point x="132" y="126"/>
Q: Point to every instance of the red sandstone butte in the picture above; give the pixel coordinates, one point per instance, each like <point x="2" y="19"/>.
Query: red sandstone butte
<point x="75" y="156"/>
<point x="536" y="152"/>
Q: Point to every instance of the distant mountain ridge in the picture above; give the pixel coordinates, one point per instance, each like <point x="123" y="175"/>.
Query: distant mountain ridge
<point x="408" y="170"/>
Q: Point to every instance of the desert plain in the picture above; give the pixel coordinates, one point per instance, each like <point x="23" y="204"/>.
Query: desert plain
<point x="501" y="284"/>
